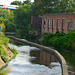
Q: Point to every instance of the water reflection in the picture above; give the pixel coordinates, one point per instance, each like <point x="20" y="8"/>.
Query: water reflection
<point x="43" y="57"/>
<point x="70" y="59"/>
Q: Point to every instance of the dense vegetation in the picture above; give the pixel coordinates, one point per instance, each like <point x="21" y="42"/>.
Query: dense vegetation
<point x="14" y="52"/>
<point x="60" y="40"/>
<point x="41" y="7"/>
<point x="7" y="20"/>
<point x="23" y="18"/>
<point x="3" y="41"/>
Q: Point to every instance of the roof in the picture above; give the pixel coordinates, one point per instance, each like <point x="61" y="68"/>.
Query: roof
<point x="59" y="14"/>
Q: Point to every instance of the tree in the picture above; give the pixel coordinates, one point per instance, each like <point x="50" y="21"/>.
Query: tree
<point x="7" y="18"/>
<point x="16" y="3"/>
<point x="23" y="16"/>
<point x="41" y="7"/>
<point x="2" y="27"/>
<point x="27" y="2"/>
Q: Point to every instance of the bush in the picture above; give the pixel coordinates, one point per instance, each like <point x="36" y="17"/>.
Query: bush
<point x="1" y="50"/>
<point x="58" y="34"/>
<point x="31" y="37"/>
<point x="14" y="52"/>
<point x="68" y="40"/>
<point x="4" y="59"/>
<point x="45" y="41"/>
<point x="60" y="40"/>
<point x="3" y="39"/>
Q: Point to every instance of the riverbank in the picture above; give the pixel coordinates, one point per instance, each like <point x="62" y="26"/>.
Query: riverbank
<point x="6" y="54"/>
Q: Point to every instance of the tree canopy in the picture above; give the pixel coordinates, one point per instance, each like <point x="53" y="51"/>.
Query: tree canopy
<point x="22" y="17"/>
<point x="7" y="18"/>
<point x="16" y="3"/>
<point x="53" y="6"/>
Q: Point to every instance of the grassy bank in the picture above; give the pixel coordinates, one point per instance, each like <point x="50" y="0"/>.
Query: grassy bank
<point x="6" y="53"/>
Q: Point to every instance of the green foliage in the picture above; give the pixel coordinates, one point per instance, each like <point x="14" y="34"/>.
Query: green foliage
<point x="46" y="39"/>
<point x="1" y="50"/>
<point x="60" y="40"/>
<point x="14" y="52"/>
<point x="31" y="37"/>
<point x="22" y="18"/>
<point x="41" y="7"/>
<point x="4" y="59"/>
<point x="7" y="18"/>
<point x="26" y="2"/>
<point x="3" y="39"/>
<point x="4" y="72"/>
<point x="16" y="3"/>
<point x="2" y="27"/>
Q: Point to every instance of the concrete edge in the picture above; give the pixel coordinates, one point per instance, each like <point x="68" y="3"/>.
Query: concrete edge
<point x="59" y="56"/>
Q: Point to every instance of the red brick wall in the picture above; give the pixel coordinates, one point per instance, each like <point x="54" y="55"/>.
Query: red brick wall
<point x="67" y="17"/>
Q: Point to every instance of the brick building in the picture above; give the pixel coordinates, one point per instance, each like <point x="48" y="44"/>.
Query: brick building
<point x="36" y="23"/>
<point x="58" y="22"/>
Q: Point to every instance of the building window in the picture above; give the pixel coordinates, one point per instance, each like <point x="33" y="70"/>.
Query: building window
<point x="48" y="23"/>
<point x="58" y="24"/>
<point x="70" y="25"/>
<point x="44" y="24"/>
<point x="52" y="23"/>
<point x="63" y="23"/>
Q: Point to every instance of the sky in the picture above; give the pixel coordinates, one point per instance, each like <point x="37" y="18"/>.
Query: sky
<point x="7" y="2"/>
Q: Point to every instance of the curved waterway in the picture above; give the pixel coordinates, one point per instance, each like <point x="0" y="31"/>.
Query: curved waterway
<point x="33" y="61"/>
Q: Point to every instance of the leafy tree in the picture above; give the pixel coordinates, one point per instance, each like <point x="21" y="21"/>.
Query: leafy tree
<point x="7" y="17"/>
<point x="60" y="40"/>
<point x="23" y="16"/>
<point x="27" y="2"/>
<point x="16" y="3"/>
<point x="2" y="27"/>
<point x="41" y="7"/>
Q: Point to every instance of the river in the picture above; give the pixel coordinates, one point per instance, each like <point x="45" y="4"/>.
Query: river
<point x="33" y="61"/>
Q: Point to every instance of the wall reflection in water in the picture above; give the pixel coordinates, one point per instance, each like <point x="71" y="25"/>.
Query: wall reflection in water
<point x="42" y="57"/>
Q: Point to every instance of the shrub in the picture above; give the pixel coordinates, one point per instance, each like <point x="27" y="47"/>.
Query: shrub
<point x="60" y="40"/>
<point x="1" y="50"/>
<point x="58" y="34"/>
<point x="4" y="59"/>
<point x="14" y="52"/>
<point x="31" y="37"/>
<point x="3" y="39"/>
<point x="46" y="39"/>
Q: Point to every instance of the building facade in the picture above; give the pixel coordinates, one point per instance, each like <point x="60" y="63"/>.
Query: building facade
<point x="51" y="23"/>
<point x="36" y="23"/>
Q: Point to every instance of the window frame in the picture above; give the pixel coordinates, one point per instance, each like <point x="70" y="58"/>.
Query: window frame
<point x="48" y="23"/>
<point x="63" y="24"/>
<point x="44" y="24"/>
<point x="53" y="21"/>
<point x="70" y="24"/>
<point x="58" y="23"/>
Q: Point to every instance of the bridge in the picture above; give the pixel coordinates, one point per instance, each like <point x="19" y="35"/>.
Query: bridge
<point x="11" y="7"/>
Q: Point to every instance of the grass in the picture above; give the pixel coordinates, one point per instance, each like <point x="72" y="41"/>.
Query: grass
<point x="5" y="71"/>
<point x="14" y="52"/>
<point x="4" y="59"/>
